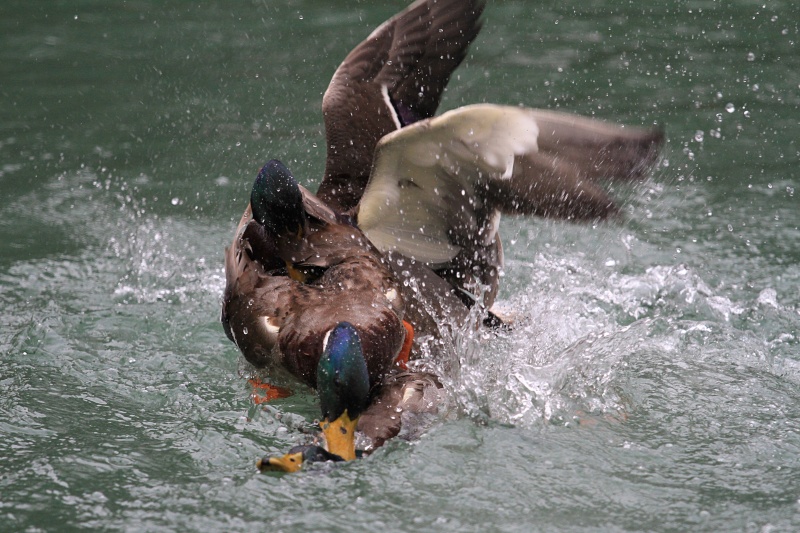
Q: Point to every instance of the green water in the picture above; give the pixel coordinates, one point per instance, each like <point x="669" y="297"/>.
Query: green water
<point x="653" y="382"/>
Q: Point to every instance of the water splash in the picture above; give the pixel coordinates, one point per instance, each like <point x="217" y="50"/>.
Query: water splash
<point x="578" y="348"/>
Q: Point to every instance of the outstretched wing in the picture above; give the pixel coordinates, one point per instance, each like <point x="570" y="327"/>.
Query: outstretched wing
<point x="441" y="184"/>
<point x="560" y="179"/>
<point x="393" y="78"/>
<point x="427" y="189"/>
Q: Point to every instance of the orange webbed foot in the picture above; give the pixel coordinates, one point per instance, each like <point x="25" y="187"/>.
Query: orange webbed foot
<point x="405" y="352"/>
<point x="264" y="392"/>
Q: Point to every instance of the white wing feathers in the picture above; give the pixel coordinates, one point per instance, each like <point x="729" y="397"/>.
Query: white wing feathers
<point x="421" y="198"/>
<point x="439" y="185"/>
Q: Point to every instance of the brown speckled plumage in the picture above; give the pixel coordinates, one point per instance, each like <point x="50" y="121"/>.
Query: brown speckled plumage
<point x="392" y="81"/>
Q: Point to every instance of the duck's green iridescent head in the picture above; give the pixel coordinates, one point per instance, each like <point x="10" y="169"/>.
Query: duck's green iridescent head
<point x="276" y="200"/>
<point x="343" y="387"/>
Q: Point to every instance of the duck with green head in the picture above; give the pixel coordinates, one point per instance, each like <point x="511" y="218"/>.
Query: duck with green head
<point x="296" y="271"/>
<point x="402" y="238"/>
<point x="343" y="386"/>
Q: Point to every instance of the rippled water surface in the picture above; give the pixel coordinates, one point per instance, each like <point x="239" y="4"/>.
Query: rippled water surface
<point x="653" y="381"/>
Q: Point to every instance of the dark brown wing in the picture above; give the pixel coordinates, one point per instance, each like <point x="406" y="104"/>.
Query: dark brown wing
<point x="393" y="78"/>
<point x="253" y="302"/>
<point x="560" y="180"/>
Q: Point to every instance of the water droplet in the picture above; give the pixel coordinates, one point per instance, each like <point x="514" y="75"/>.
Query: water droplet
<point x="698" y="136"/>
<point x="175" y="201"/>
<point x="244" y="330"/>
<point x="751" y="56"/>
<point x="730" y="108"/>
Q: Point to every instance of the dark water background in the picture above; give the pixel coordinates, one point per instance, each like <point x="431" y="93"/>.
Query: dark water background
<point x="654" y="385"/>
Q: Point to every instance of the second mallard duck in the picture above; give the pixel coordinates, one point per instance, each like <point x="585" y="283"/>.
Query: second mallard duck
<point x="402" y="239"/>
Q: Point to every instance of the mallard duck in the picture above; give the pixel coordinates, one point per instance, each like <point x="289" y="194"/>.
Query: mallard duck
<point x="296" y="270"/>
<point x="401" y="237"/>
<point x="349" y="401"/>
